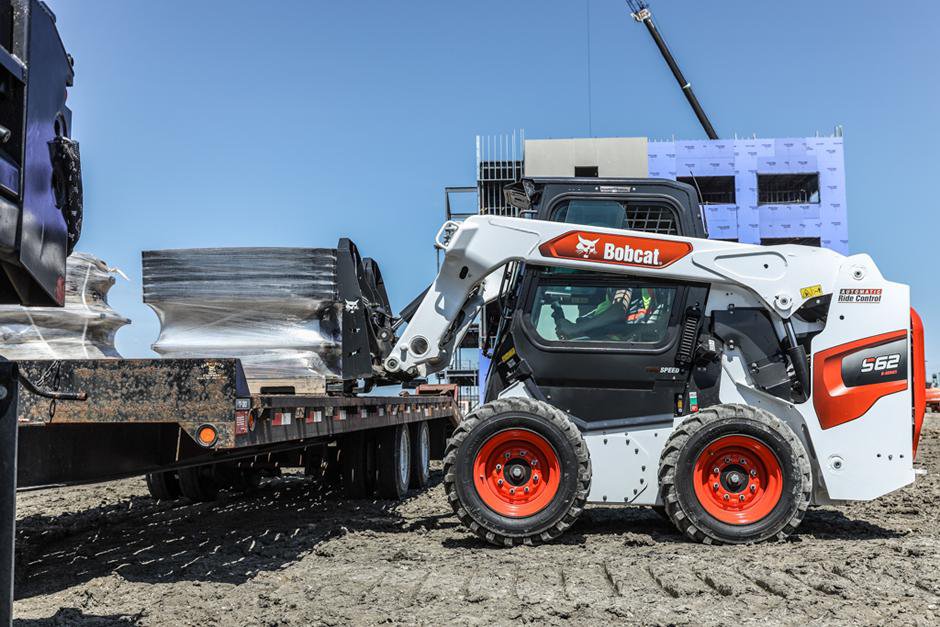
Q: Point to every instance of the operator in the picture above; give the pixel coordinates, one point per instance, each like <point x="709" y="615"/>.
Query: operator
<point x="612" y="319"/>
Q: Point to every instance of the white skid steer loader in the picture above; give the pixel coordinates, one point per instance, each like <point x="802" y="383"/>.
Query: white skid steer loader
<point x="728" y="385"/>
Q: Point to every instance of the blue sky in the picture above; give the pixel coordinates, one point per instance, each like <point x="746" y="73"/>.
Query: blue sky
<point x="293" y="123"/>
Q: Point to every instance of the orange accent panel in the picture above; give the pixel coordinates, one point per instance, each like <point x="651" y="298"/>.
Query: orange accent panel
<point x="621" y="250"/>
<point x="918" y="375"/>
<point x="837" y="404"/>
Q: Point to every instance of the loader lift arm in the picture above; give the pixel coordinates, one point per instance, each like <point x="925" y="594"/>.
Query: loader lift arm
<point x="483" y="244"/>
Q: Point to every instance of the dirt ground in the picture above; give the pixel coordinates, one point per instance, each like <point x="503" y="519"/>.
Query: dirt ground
<point x="289" y="555"/>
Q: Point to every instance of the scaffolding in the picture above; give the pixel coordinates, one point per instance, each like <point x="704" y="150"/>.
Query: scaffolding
<point x="500" y="161"/>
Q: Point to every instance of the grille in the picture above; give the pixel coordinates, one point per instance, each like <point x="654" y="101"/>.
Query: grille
<point x="651" y="219"/>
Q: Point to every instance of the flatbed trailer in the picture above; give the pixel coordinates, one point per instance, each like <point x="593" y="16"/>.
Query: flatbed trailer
<point x="193" y="427"/>
<point x="156" y="415"/>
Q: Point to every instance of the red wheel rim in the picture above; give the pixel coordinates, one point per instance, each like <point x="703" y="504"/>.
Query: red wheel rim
<point x="738" y="479"/>
<point x="516" y="473"/>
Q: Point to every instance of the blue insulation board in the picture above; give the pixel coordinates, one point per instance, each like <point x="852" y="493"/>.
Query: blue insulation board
<point x="746" y="220"/>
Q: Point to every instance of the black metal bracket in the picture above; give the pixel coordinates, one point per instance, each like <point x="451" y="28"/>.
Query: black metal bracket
<point x="9" y="373"/>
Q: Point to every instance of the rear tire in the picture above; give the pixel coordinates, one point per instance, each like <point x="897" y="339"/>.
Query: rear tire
<point x="164" y="486"/>
<point x="735" y="474"/>
<point x="420" y="454"/>
<point x="199" y="484"/>
<point x="517" y="471"/>
<point x="393" y="458"/>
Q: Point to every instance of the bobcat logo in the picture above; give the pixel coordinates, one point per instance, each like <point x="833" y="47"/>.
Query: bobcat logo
<point x="586" y="247"/>
<point x="352" y="306"/>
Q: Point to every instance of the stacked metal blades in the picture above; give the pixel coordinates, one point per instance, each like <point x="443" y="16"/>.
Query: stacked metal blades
<point x="83" y="329"/>
<point x="277" y="309"/>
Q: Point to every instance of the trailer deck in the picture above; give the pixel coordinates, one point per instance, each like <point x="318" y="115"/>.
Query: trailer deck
<point x="145" y="415"/>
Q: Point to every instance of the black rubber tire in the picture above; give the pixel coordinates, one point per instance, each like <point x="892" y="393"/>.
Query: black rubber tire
<point x="693" y="435"/>
<point x="164" y="486"/>
<point x="393" y="461"/>
<point x="314" y="464"/>
<point x="332" y="477"/>
<point x="199" y="484"/>
<point x="354" y="462"/>
<point x="517" y="413"/>
<point x="420" y="454"/>
<point x="246" y="479"/>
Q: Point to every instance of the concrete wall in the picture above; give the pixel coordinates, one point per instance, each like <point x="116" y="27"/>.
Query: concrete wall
<point x="613" y="156"/>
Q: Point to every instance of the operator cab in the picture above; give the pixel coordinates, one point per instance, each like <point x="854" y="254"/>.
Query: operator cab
<point x="602" y="347"/>
<point x="653" y="205"/>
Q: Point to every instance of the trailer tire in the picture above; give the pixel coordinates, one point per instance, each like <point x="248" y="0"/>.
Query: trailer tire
<point x="332" y="477"/>
<point x="246" y="479"/>
<point x="538" y="492"/>
<point x="354" y="461"/>
<point x="164" y="485"/>
<point x="393" y="460"/>
<point x="420" y="454"/>
<point x="199" y="484"/>
<point x="760" y="467"/>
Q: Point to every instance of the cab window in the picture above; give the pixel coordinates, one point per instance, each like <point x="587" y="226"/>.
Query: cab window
<point x="617" y="214"/>
<point x="603" y="312"/>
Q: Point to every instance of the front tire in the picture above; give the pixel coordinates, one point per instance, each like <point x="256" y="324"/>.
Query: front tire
<point x="517" y="471"/>
<point x="735" y="474"/>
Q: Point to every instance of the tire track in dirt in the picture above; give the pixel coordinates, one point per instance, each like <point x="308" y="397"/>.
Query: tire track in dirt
<point x="289" y="555"/>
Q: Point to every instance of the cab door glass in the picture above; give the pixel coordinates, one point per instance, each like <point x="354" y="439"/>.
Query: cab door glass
<point x="609" y="312"/>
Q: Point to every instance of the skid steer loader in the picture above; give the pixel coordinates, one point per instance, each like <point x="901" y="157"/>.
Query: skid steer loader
<point x="636" y="362"/>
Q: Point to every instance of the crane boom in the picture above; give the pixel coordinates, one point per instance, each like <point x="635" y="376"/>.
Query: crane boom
<point x="641" y="13"/>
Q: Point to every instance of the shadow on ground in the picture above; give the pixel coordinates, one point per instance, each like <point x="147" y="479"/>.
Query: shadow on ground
<point x="644" y="527"/>
<point x="227" y="541"/>
<point x="67" y="617"/>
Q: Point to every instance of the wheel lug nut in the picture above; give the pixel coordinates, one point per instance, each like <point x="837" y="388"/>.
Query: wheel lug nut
<point x="534" y="463"/>
<point x="715" y="485"/>
<point x="726" y="497"/>
<point x="527" y="490"/>
<point x="499" y="466"/>
<point x="500" y="482"/>
<point x="753" y="472"/>
<point x="522" y="453"/>
<point x="727" y="460"/>
<point x="741" y="497"/>
<point x="506" y="455"/>
<point x="716" y="470"/>
<point x="742" y="461"/>
<point x="535" y="479"/>
<point x="512" y="490"/>
<point x="753" y="488"/>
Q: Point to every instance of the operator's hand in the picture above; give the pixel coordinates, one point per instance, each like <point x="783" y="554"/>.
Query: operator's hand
<point x="623" y="297"/>
<point x="563" y="326"/>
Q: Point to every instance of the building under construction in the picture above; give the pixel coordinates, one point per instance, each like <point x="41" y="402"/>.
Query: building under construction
<point x="755" y="190"/>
